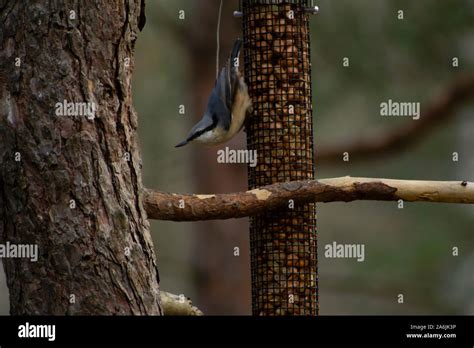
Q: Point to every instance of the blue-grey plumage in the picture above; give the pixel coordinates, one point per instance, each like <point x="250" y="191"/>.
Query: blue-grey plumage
<point x="227" y="107"/>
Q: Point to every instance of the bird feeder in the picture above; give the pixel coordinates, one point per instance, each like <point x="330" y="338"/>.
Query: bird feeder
<point x="278" y="73"/>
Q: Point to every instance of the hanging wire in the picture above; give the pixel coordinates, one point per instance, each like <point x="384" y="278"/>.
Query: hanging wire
<point x="218" y="38"/>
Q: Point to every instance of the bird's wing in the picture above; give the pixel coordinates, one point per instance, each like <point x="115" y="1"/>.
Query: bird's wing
<point x="223" y="88"/>
<point x="219" y="106"/>
<point x="220" y="100"/>
<point x="228" y="79"/>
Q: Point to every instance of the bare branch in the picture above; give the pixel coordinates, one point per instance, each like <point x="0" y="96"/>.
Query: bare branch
<point x="439" y="109"/>
<point x="177" y="207"/>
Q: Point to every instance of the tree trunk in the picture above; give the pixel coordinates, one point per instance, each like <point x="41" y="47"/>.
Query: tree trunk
<point x="72" y="185"/>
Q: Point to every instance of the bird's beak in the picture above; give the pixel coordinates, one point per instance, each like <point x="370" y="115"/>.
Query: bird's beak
<point x="184" y="142"/>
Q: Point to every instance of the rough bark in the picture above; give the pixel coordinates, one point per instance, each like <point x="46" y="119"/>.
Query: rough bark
<point x="177" y="207"/>
<point x="100" y="251"/>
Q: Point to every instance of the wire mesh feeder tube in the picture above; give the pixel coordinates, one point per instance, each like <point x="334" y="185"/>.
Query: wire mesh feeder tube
<point x="278" y="72"/>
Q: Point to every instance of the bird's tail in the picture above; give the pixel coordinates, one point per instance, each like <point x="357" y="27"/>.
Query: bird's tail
<point x="235" y="50"/>
<point x="233" y="67"/>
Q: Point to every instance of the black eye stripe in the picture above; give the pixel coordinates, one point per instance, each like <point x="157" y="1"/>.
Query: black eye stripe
<point x="202" y="131"/>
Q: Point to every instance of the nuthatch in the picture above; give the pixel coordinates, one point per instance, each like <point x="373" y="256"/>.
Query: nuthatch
<point x="227" y="106"/>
